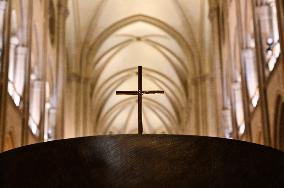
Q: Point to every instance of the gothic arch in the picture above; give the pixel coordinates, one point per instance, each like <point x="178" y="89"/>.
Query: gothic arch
<point x="92" y="50"/>
<point x="89" y="66"/>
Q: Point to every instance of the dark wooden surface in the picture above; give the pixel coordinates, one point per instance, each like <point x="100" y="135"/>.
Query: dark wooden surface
<point x="142" y="161"/>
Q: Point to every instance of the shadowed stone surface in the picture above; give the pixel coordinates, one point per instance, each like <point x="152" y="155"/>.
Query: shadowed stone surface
<point x="142" y="161"/>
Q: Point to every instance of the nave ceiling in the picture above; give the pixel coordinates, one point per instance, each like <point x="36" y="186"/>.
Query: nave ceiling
<point x="108" y="39"/>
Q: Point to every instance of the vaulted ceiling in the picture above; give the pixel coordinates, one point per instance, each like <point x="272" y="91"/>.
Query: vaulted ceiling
<point x="108" y="39"/>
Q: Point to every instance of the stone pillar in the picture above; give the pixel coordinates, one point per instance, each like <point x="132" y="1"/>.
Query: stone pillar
<point x="71" y="115"/>
<point x="71" y="127"/>
<point x="21" y="85"/>
<point x="217" y="85"/>
<point x="62" y="12"/>
<point x="43" y="58"/>
<point x="202" y="86"/>
<point x="261" y="68"/>
<point x="86" y="110"/>
<point x="280" y="14"/>
<point x="4" y="68"/>
<point x="25" y="56"/>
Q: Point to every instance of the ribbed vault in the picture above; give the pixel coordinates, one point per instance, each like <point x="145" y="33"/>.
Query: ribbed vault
<point x="167" y="62"/>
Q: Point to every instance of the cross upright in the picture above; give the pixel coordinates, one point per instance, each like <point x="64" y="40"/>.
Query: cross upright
<point x="139" y="93"/>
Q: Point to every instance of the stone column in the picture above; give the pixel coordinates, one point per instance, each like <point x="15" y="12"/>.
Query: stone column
<point x="25" y="55"/>
<point x="280" y="15"/>
<point x="4" y="68"/>
<point x="71" y="104"/>
<point x="86" y="110"/>
<point x="218" y="79"/>
<point x="259" y="33"/>
<point x="22" y="73"/>
<point x="62" y="12"/>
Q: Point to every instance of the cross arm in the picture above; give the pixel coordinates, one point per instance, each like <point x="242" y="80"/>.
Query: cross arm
<point x="136" y="93"/>
<point x="126" y="93"/>
<point x="153" y="92"/>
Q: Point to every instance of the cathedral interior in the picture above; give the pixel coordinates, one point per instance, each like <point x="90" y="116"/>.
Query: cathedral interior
<point x="218" y="61"/>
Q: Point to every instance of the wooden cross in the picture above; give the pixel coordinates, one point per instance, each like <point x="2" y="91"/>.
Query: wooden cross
<point x="139" y="93"/>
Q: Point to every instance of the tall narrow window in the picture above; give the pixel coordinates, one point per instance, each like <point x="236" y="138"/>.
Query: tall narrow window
<point x="239" y="108"/>
<point x="17" y="61"/>
<point x="2" y="16"/>
<point x="251" y="72"/>
<point x="269" y="33"/>
<point x="35" y="105"/>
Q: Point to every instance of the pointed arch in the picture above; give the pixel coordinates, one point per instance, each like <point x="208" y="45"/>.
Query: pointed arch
<point x="187" y="49"/>
<point x="183" y="63"/>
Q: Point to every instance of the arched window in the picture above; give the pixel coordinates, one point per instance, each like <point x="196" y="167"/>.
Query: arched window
<point x="36" y="85"/>
<point x="2" y="16"/>
<point x="35" y="105"/>
<point x="17" y="61"/>
<point x="239" y="108"/>
<point x="268" y="23"/>
<point x="251" y="72"/>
